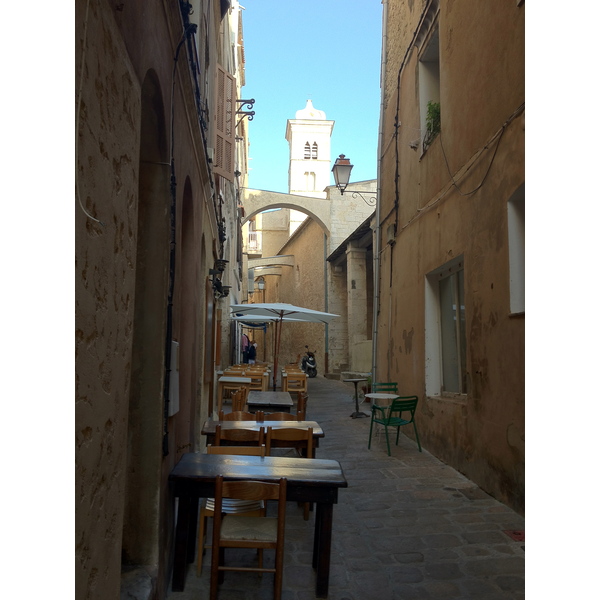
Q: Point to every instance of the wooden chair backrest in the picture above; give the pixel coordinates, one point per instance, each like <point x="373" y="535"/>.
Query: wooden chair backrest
<point x="239" y="436"/>
<point x="296" y="381"/>
<point x="238" y="400"/>
<point x="280" y="416"/>
<point x="290" y="434"/>
<point x="238" y="415"/>
<point x="238" y="450"/>
<point x="301" y="406"/>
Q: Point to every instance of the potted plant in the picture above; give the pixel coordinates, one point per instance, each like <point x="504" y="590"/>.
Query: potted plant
<point x="433" y="123"/>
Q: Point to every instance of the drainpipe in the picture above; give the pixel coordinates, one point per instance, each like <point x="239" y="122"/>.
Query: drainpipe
<point x="377" y="240"/>
<point x="172" y="251"/>
<point x="326" y="309"/>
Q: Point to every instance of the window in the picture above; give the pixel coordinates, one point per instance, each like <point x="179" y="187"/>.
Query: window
<point x="224" y="125"/>
<point x="445" y="330"/>
<point x="429" y="89"/>
<point x="315" y="150"/>
<point x="428" y="43"/>
<point x="306" y="151"/>
<point x="310" y="181"/>
<point x="516" y="250"/>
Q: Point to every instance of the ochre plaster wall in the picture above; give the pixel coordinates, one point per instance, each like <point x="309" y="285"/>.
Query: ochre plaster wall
<point x="303" y="285"/>
<point x="120" y="175"/>
<point x="481" y="88"/>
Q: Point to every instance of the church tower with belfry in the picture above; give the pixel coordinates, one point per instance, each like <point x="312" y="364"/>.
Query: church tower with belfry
<point x="309" y="138"/>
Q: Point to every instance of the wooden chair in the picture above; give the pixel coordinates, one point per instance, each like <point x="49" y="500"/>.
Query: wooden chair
<point x="260" y="380"/>
<point x="237" y="531"/>
<point x="238" y="400"/>
<point x="279" y="416"/>
<point x="208" y="505"/>
<point x="292" y="434"/>
<point x="239" y="436"/>
<point x="301" y="406"/>
<point x="391" y="416"/>
<point x="295" y="382"/>
<point x="234" y="371"/>
<point x="238" y="415"/>
<point x="227" y="388"/>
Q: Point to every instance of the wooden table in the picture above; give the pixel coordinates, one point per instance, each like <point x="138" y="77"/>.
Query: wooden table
<point x="273" y="401"/>
<point x="313" y="480"/>
<point x="229" y="382"/>
<point x="209" y="427"/>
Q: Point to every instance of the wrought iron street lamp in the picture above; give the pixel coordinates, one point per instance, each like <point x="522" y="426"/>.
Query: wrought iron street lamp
<point x="341" y="174"/>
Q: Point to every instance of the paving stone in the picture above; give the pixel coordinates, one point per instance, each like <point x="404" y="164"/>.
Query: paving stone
<point x="408" y="527"/>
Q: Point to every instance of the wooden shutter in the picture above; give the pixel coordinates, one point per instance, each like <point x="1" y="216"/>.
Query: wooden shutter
<point x="224" y="164"/>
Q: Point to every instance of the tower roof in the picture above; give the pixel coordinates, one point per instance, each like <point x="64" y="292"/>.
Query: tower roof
<point x="310" y="112"/>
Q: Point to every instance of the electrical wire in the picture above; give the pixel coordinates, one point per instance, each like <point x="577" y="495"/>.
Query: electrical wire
<point x="498" y="135"/>
<point x="79" y="90"/>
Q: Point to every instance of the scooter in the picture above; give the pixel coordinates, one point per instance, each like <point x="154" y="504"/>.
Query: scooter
<point x="309" y="363"/>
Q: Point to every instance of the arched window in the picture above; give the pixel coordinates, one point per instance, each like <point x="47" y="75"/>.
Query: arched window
<point x="310" y="181"/>
<point x="315" y="150"/>
<point x="306" y="150"/>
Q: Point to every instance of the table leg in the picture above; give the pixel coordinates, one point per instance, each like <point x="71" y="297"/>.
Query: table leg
<point x="322" y="547"/>
<point x="219" y="398"/>
<point x="357" y="412"/>
<point x="192" y="529"/>
<point x="181" y="543"/>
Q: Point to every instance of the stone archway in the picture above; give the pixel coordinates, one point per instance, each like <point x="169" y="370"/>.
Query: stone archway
<point x="318" y="209"/>
<point x="140" y="542"/>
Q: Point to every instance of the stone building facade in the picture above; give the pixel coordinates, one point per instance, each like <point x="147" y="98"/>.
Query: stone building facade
<point x="449" y="270"/>
<point x="157" y="195"/>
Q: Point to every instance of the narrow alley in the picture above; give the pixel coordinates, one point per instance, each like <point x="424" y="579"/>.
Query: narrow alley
<point x="407" y="527"/>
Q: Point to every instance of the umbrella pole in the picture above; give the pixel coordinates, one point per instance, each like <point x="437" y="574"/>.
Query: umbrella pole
<point x="276" y="358"/>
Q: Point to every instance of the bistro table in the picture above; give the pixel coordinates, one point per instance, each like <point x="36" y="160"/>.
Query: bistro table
<point x="209" y="428"/>
<point x="356" y="412"/>
<point x="382" y="396"/>
<point x="313" y="480"/>
<point x="273" y="401"/>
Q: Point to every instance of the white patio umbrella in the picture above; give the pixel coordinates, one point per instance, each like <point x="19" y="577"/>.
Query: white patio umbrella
<point x="280" y="312"/>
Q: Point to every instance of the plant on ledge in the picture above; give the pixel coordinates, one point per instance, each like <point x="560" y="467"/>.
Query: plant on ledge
<point x="433" y="123"/>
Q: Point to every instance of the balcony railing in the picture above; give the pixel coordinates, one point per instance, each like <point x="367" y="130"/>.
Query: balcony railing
<point x="254" y="243"/>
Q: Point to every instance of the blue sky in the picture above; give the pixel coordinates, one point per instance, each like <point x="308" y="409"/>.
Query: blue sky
<point x="325" y="50"/>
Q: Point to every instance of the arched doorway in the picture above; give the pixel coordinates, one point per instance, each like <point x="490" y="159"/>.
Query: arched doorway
<point x="140" y="542"/>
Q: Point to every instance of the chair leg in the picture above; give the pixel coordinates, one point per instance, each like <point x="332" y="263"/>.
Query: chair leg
<point x="387" y="439"/>
<point x="306" y="510"/>
<point x="201" y="535"/>
<point x="417" y="436"/>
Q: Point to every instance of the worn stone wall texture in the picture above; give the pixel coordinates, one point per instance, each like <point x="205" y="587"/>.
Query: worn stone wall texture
<point x="124" y="508"/>
<point x="108" y="152"/>
<point x="452" y="202"/>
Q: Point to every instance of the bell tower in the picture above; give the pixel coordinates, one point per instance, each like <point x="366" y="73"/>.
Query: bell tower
<point x="309" y="138"/>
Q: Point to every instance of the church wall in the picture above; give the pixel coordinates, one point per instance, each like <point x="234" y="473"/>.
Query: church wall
<point x="303" y="285"/>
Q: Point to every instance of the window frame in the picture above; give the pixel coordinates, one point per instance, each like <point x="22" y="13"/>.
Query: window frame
<point x="435" y="346"/>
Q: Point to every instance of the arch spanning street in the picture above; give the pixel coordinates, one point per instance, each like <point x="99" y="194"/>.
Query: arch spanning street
<point x="318" y="209"/>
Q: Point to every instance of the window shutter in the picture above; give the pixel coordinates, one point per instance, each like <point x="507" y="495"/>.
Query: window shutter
<point x="225" y="125"/>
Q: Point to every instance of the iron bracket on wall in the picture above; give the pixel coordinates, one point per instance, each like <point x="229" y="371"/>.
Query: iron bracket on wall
<point x="245" y="113"/>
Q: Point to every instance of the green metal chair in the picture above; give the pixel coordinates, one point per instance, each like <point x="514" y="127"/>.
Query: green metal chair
<point x="391" y="416"/>
<point x="390" y="387"/>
